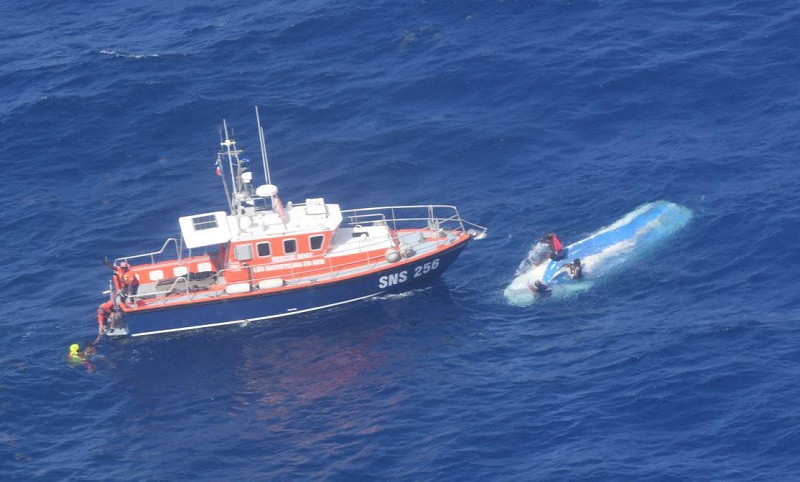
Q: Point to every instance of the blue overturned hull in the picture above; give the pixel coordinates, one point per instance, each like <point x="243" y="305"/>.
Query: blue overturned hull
<point x="603" y="251"/>
<point x="291" y="301"/>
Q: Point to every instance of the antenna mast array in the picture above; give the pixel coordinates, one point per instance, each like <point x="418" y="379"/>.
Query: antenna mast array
<point x="264" y="158"/>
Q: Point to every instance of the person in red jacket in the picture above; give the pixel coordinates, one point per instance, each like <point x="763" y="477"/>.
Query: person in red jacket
<point x="124" y="279"/>
<point x="556" y="248"/>
<point x="103" y="314"/>
<point x="129" y="281"/>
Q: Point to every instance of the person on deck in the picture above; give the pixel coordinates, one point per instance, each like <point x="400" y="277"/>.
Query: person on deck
<point x="124" y="279"/>
<point x="117" y="270"/>
<point x="130" y="283"/>
<point x="103" y="314"/>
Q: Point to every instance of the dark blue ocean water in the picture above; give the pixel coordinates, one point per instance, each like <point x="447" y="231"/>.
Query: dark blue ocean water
<point x="529" y="116"/>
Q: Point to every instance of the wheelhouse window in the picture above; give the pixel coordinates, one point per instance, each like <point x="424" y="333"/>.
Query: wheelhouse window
<point x="264" y="249"/>
<point x="243" y="252"/>
<point x="289" y="246"/>
<point x="315" y="242"/>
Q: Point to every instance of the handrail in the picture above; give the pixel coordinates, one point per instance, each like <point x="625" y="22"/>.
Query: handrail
<point x="153" y="254"/>
<point x="164" y="293"/>
<point x="433" y="215"/>
<point x="175" y="283"/>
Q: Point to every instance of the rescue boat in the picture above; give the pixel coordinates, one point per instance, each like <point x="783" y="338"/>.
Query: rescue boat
<point x="263" y="259"/>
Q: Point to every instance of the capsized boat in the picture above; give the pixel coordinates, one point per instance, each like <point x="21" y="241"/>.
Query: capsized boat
<point x="263" y="259"/>
<point x="600" y="254"/>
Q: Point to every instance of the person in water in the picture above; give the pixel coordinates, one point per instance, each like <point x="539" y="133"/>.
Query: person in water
<point x="575" y="268"/>
<point x="91" y="354"/>
<point x="88" y="357"/>
<point x="78" y="357"/>
<point x="539" y="288"/>
<point x="75" y="354"/>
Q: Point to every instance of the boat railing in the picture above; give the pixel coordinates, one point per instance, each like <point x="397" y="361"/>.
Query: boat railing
<point x="152" y="255"/>
<point x="437" y="216"/>
<point x="161" y="294"/>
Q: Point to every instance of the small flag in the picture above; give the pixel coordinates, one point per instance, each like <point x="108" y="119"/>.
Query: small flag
<point x="219" y="168"/>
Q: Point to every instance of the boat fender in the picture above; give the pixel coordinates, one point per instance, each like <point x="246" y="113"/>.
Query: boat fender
<point x="392" y="255"/>
<point x="271" y="283"/>
<point x="406" y="250"/>
<point x="476" y="235"/>
<point x="235" y="288"/>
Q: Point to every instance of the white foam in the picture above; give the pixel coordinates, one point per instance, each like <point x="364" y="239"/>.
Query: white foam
<point x="114" y="53"/>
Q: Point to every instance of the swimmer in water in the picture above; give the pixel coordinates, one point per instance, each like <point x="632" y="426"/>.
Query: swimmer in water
<point x="75" y="354"/>
<point x="91" y="354"/>
<point x="77" y="357"/>
<point x="575" y="268"/>
<point x="539" y="288"/>
<point x="88" y="357"/>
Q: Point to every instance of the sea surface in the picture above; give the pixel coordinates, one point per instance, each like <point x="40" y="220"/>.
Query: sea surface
<point x="530" y="117"/>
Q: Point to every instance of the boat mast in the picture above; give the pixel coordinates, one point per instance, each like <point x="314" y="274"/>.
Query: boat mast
<point x="227" y="143"/>
<point x="222" y="176"/>
<point x="264" y="158"/>
<point x="241" y="189"/>
<point x="274" y="199"/>
<point x="220" y="170"/>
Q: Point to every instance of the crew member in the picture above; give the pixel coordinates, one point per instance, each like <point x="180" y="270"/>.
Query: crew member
<point x="103" y="314"/>
<point x="130" y="284"/>
<point x="117" y="270"/>
<point x="124" y="279"/>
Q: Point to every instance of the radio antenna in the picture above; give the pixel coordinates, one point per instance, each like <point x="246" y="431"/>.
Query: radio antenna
<point x="264" y="158"/>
